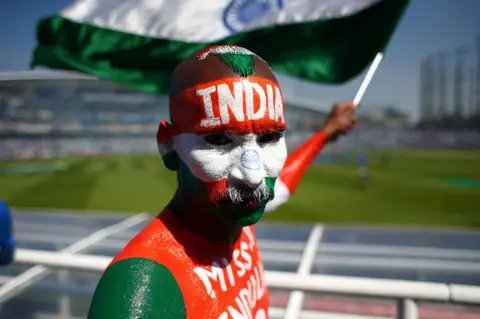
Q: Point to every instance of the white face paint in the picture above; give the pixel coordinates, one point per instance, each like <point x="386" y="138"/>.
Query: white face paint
<point x="244" y="160"/>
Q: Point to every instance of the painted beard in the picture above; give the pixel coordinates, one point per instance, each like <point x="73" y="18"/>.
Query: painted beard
<point x="239" y="191"/>
<point x="241" y="205"/>
<point x="244" y="206"/>
<point x="249" y="197"/>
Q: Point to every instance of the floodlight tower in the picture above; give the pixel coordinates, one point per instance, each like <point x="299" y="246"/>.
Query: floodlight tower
<point x="460" y="63"/>
<point x="429" y="87"/>
<point x="442" y="97"/>
<point x="477" y="82"/>
<point x="424" y="112"/>
<point x="472" y="92"/>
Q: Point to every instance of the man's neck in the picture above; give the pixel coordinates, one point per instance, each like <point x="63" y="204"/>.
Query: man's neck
<point x="203" y="219"/>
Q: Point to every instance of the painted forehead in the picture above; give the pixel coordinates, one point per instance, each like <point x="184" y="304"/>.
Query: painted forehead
<point x="234" y="105"/>
<point x="245" y="101"/>
<point x="223" y="50"/>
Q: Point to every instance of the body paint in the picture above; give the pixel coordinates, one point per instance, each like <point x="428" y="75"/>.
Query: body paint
<point x="233" y="105"/>
<point x="242" y="106"/>
<point x="166" y="271"/>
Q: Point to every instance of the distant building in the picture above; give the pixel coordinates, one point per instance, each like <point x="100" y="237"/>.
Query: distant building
<point x="383" y="117"/>
<point x="450" y="89"/>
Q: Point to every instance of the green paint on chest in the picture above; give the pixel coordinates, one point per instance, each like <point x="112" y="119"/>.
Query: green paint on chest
<point x="241" y="64"/>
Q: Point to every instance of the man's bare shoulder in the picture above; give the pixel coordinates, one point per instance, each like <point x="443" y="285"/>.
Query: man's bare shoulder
<point x="140" y="273"/>
<point x="152" y="242"/>
<point x="128" y="288"/>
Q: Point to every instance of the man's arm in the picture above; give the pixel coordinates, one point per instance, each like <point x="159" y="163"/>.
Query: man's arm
<point x="340" y="120"/>
<point x="137" y="288"/>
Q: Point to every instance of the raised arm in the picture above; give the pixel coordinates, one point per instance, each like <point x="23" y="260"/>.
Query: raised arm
<point x="340" y="120"/>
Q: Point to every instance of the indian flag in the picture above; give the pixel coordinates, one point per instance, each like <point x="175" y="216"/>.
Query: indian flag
<point x="139" y="42"/>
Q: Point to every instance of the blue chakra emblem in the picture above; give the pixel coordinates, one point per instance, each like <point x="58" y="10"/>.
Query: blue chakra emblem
<point x="250" y="160"/>
<point x="239" y="14"/>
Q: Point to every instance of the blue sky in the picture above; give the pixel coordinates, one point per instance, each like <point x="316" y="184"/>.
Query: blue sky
<point x="427" y="27"/>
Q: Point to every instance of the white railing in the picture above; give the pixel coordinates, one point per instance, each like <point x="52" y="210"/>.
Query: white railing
<point x="406" y="293"/>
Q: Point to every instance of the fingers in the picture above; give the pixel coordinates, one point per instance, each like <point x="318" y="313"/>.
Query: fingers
<point x="341" y="120"/>
<point x="334" y="137"/>
<point x="345" y="114"/>
<point x="345" y="106"/>
<point x="353" y="120"/>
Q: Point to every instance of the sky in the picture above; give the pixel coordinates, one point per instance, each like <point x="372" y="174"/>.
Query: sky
<point x="428" y="26"/>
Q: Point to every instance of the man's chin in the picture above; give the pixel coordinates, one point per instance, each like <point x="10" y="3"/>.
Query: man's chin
<point x="244" y="213"/>
<point x="248" y="219"/>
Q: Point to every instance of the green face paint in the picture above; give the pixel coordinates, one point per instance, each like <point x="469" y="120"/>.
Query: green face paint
<point x="240" y="214"/>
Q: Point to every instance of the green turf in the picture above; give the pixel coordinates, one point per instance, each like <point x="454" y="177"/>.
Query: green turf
<point x="412" y="189"/>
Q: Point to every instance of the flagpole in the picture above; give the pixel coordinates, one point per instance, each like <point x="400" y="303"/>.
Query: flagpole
<point x="368" y="78"/>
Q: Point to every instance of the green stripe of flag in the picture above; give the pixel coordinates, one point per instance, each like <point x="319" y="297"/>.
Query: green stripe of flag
<point x="325" y="51"/>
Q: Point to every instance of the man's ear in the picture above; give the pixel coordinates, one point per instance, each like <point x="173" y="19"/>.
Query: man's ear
<point x="171" y="160"/>
<point x="165" y="142"/>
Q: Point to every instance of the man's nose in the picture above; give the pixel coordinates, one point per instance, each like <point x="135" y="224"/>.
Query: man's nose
<point x="249" y="170"/>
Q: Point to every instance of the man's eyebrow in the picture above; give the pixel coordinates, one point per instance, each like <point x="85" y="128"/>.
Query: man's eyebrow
<point x="274" y="130"/>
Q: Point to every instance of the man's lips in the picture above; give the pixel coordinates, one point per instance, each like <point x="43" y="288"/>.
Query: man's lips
<point x="237" y="195"/>
<point x="249" y="201"/>
<point x="252" y="203"/>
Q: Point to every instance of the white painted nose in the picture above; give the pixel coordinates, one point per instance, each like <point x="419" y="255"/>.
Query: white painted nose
<point x="249" y="170"/>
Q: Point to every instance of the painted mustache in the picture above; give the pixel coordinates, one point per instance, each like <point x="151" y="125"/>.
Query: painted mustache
<point x="243" y="195"/>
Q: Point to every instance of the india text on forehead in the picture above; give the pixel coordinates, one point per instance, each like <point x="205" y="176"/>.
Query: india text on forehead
<point x="222" y="100"/>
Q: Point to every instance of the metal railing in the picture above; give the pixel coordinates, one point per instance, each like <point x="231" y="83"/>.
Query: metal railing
<point x="406" y="293"/>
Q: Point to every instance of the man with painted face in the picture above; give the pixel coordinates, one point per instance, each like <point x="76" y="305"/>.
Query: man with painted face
<point x="199" y="258"/>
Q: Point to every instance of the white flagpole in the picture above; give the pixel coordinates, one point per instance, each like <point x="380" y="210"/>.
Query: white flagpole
<point x="368" y="78"/>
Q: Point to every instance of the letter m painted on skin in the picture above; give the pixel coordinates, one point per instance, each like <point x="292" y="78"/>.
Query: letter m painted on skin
<point x="216" y="274"/>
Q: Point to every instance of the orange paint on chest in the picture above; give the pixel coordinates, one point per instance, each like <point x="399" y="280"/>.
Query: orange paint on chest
<point x="217" y="281"/>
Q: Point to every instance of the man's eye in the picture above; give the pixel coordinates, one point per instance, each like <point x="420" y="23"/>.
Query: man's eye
<point x="270" y="137"/>
<point x="217" y="139"/>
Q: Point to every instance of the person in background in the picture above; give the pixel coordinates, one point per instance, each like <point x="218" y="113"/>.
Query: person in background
<point x="7" y="242"/>
<point x="385" y="158"/>
<point x="362" y="168"/>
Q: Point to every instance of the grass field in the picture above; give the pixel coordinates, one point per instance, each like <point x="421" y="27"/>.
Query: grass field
<point x="411" y="190"/>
